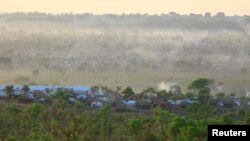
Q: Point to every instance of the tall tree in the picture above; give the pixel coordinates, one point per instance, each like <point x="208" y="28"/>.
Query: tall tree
<point x="204" y="95"/>
<point x="128" y="92"/>
<point x="201" y="89"/>
<point x="199" y="84"/>
<point x="9" y="90"/>
<point x="26" y="89"/>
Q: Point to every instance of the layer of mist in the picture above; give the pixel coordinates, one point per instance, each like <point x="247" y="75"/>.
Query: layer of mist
<point x="37" y="44"/>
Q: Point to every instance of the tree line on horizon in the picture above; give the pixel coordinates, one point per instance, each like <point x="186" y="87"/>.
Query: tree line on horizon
<point x="170" y="20"/>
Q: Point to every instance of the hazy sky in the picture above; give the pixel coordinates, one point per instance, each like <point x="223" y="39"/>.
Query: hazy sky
<point x="230" y="7"/>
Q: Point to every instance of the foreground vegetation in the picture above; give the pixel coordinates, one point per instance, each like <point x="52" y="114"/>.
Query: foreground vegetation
<point x="36" y="122"/>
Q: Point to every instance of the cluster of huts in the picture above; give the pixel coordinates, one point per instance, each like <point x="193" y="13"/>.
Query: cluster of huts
<point x="98" y="97"/>
<point x="39" y="93"/>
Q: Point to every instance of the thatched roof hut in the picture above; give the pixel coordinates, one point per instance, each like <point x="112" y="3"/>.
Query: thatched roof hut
<point x="144" y="104"/>
<point x="119" y="106"/>
<point x="24" y="98"/>
<point x="40" y="96"/>
<point x="228" y="101"/>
